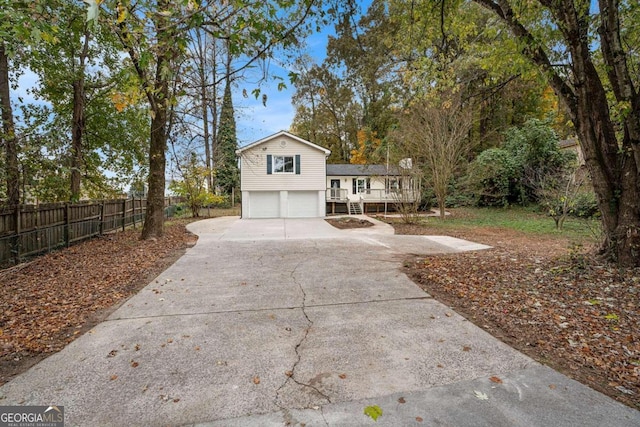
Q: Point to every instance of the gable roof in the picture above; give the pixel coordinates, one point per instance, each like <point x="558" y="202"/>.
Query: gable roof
<point x="359" y="170"/>
<point x="279" y="134"/>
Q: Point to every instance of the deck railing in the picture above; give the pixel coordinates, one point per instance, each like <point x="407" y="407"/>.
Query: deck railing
<point x="372" y="195"/>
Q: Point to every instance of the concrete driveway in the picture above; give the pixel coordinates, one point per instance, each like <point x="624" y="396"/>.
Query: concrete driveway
<point x="291" y="322"/>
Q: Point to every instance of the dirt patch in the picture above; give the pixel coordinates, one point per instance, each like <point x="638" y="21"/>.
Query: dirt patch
<point x="347" y="222"/>
<point x="54" y="299"/>
<point x="554" y="302"/>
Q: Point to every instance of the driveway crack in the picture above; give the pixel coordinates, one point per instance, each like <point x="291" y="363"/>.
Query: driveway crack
<point x="291" y="375"/>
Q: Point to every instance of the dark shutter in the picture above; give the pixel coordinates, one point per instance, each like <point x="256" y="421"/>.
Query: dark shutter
<point x="355" y="186"/>
<point x="297" y="164"/>
<point x="269" y="164"/>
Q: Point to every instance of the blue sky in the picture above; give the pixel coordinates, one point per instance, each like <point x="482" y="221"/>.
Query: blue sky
<point x="255" y="121"/>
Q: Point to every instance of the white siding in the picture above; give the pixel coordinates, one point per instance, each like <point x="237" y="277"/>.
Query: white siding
<point x="254" y="175"/>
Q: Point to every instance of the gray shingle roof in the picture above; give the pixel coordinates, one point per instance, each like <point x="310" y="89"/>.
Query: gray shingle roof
<point x="358" y="170"/>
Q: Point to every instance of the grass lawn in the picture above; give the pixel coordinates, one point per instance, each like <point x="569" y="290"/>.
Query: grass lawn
<point x="526" y="220"/>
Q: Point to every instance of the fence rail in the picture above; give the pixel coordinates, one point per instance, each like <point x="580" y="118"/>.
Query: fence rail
<point x="27" y="230"/>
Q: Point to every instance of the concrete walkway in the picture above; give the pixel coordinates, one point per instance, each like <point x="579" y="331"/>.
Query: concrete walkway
<point x="259" y="325"/>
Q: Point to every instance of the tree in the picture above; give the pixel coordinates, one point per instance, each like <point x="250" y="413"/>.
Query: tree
<point x="154" y="34"/>
<point x="326" y="112"/>
<point x="566" y="56"/>
<point x="226" y="168"/>
<point x="8" y="139"/>
<point x="192" y="184"/>
<point x="435" y="133"/>
<point x="82" y="79"/>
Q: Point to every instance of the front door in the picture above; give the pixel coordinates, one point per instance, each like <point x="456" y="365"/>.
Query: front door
<point x="335" y="189"/>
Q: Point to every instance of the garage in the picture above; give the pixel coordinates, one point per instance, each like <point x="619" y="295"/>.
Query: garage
<point x="283" y="176"/>
<point x="302" y="204"/>
<point x="264" y="204"/>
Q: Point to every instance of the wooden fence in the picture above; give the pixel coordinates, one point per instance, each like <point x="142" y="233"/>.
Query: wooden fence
<point x="27" y="230"/>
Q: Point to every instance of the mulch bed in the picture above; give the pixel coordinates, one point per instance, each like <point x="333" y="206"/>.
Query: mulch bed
<point x="347" y="222"/>
<point x="555" y="303"/>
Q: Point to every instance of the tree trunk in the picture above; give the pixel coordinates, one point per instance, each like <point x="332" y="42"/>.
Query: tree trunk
<point x="76" y="138"/>
<point x="8" y="133"/>
<point x="78" y="119"/>
<point x="154" y="218"/>
<point x="159" y="99"/>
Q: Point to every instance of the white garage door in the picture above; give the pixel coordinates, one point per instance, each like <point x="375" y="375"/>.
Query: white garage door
<point x="303" y="204"/>
<point x="264" y="204"/>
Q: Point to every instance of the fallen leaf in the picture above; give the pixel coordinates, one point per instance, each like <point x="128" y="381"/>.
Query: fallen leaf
<point x="289" y="373"/>
<point x="374" y="412"/>
<point x="495" y="379"/>
<point x="552" y="386"/>
<point x="401" y="400"/>
<point x="176" y="400"/>
<point x="448" y="314"/>
<point x="113" y="377"/>
<point x="134" y="364"/>
<point x="480" y="395"/>
<point x="342" y="376"/>
<point x="466" y="348"/>
<point x="256" y="380"/>
<point x="419" y="419"/>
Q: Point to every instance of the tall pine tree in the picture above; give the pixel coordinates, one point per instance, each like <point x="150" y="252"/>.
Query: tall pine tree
<point x="226" y="171"/>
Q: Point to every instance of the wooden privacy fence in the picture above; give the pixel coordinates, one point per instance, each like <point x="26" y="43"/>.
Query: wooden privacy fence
<point x="27" y="230"/>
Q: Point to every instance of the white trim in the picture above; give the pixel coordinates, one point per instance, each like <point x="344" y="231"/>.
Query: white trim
<point x="279" y="134"/>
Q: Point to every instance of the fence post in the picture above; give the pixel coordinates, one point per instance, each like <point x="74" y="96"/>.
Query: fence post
<point x="102" y="217"/>
<point x="67" y="221"/>
<point x="16" y="242"/>
<point x="124" y="213"/>
<point x="133" y="214"/>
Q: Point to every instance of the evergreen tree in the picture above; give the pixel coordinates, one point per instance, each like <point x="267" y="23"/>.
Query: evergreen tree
<point x="226" y="171"/>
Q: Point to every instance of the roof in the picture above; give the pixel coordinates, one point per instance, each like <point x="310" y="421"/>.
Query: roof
<point x="279" y="134"/>
<point x="566" y="143"/>
<point x="359" y="170"/>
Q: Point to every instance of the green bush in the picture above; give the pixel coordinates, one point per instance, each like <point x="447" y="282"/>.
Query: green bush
<point x="493" y="176"/>
<point x="585" y="206"/>
<point x="219" y="201"/>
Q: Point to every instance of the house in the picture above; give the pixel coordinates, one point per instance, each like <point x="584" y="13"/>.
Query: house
<point x="356" y="189"/>
<point x="572" y="144"/>
<point x="283" y="176"/>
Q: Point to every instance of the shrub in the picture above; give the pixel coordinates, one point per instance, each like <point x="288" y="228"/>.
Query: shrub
<point x="585" y="206"/>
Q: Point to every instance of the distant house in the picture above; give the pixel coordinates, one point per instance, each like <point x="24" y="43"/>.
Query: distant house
<point x="284" y="176"/>
<point x="572" y="144"/>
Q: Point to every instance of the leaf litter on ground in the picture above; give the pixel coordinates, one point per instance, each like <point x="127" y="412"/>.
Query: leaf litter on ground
<point x="50" y="301"/>
<point x="554" y="302"/>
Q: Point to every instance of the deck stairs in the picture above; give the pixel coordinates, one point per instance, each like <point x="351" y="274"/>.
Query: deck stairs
<point x="355" y="208"/>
